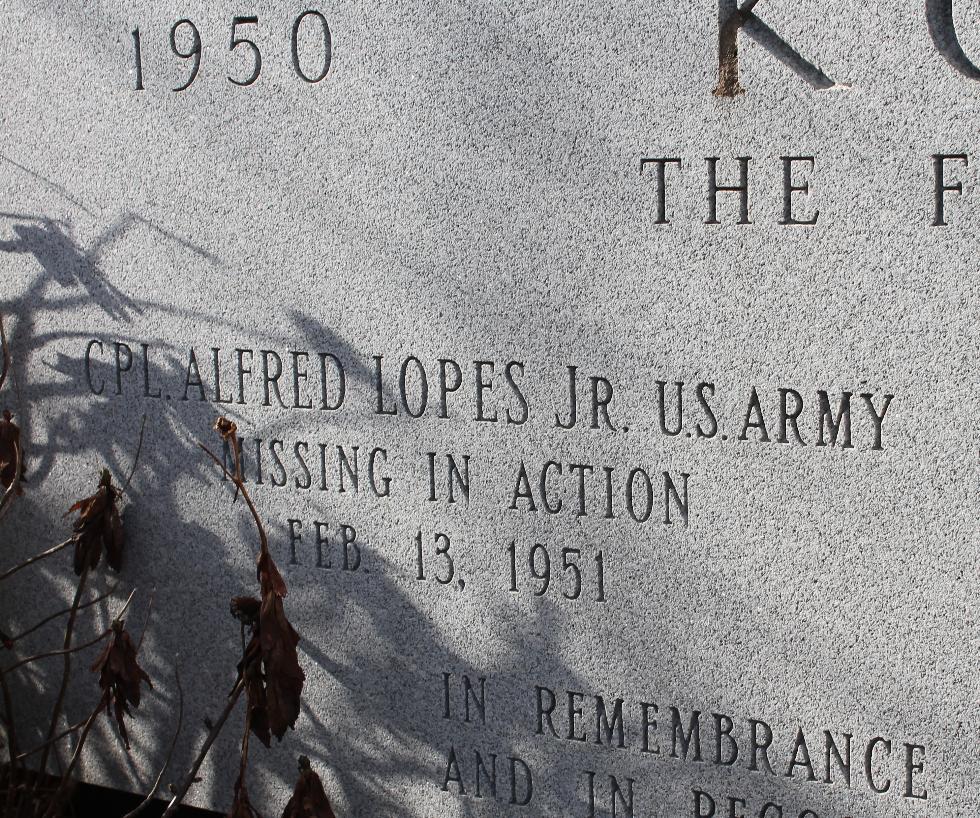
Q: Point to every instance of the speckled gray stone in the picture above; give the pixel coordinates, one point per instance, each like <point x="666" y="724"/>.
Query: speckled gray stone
<point x="466" y="186"/>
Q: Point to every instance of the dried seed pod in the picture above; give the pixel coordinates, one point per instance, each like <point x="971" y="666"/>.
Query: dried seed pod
<point x="246" y="610"/>
<point x="309" y="799"/>
<point x="226" y="428"/>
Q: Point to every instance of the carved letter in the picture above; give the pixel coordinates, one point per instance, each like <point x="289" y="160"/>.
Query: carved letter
<point x="732" y="18"/>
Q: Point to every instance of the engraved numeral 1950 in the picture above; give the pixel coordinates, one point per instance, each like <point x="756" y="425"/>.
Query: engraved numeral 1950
<point x="186" y="43"/>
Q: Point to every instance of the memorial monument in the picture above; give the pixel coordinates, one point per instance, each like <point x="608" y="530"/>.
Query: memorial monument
<point x="605" y="373"/>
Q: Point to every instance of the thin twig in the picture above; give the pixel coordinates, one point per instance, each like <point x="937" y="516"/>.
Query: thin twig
<point x="236" y="450"/>
<point x="122" y="610"/>
<point x="51" y="653"/>
<point x="170" y="753"/>
<point x="75" y="756"/>
<point x="181" y="792"/>
<point x="68" y="651"/>
<point x="240" y="486"/>
<point x="6" y="353"/>
<point x="136" y="457"/>
<point x="14" y="488"/>
<point x="11" y="807"/>
<point x="146" y="620"/>
<point x="66" y="671"/>
<point x="82" y="607"/>
<point x="53" y="550"/>
<point x="57" y="738"/>
<point x="11" y="729"/>
<point x="243" y="762"/>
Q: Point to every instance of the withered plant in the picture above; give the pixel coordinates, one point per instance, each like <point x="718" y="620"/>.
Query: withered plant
<point x="26" y="787"/>
<point x="268" y="673"/>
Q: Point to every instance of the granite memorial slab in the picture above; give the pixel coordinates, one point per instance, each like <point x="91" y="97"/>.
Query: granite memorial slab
<point x="606" y="375"/>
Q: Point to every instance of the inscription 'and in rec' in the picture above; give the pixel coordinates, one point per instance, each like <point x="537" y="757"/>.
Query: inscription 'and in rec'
<point x="626" y="729"/>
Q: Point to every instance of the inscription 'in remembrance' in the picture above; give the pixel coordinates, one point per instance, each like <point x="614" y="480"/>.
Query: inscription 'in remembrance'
<point x="626" y="728"/>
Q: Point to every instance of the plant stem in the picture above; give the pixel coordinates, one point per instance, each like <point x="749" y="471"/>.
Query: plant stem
<point x="6" y="353"/>
<point x="240" y="486"/>
<point x="51" y="653"/>
<point x="11" y="807"/>
<point x="136" y="457"/>
<point x="170" y="753"/>
<point x="59" y="737"/>
<point x="75" y="756"/>
<point x="14" y="487"/>
<point x="10" y="727"/>
<point x="53" y="550"/>
<point x="66" y="673"/>
<point x="47" y="619"/>
<point x="191" y="777"/>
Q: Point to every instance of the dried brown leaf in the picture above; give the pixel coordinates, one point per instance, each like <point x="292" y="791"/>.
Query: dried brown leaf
<point x="270" y="666"/>
<point x="250" y="669"/>
<point x="98" y="527"/>
<point x="10" y="454"/>
<point x="270" y="580"/>
<point x="283" y="676"/>
<point x="119" y="677"/>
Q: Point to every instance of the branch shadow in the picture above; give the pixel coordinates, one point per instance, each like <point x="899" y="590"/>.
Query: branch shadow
<point x="374" y="645"/>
